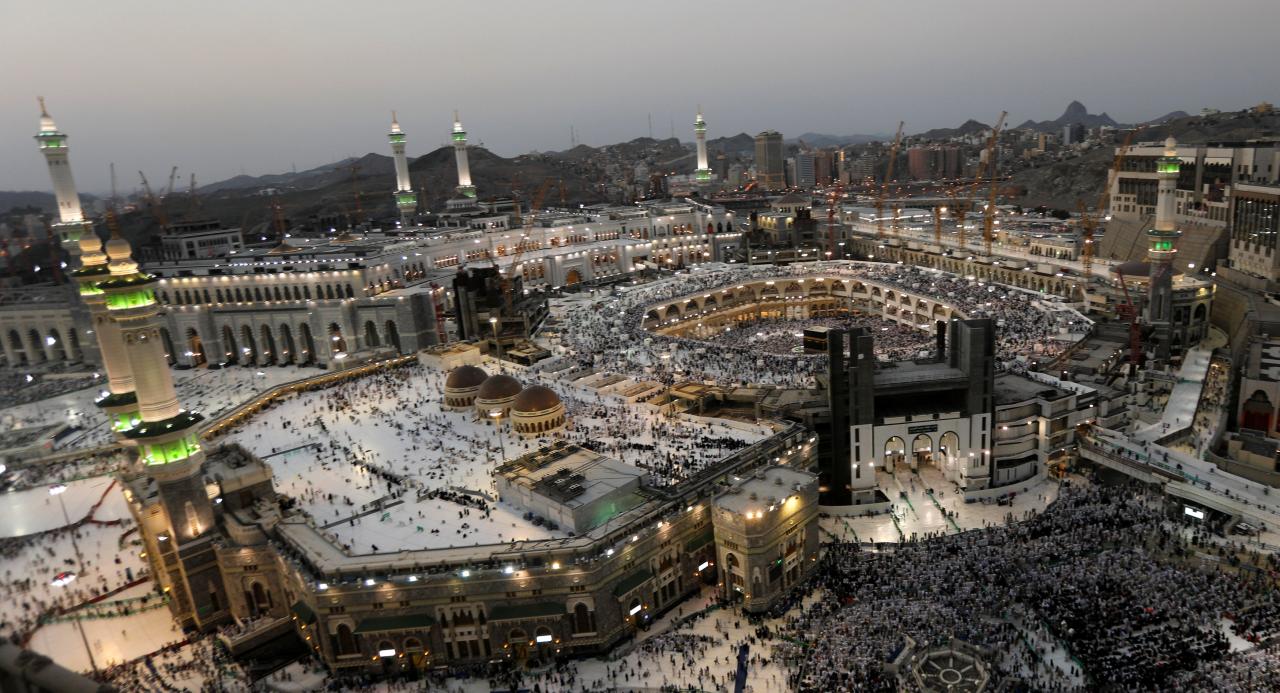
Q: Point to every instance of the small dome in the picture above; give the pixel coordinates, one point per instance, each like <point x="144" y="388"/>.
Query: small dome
<point x="500" y="386"/>
<point x="535" y="398"/>
<point x="465" y="377"/>
<point x="119" y="249"/>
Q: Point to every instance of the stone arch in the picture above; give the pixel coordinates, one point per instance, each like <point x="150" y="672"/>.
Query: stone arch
<point x="672" y="312"/>
<point x="572" y="277"/>
<point x="170" y="353"/>
<point x="391" y="335"/>
<point x="57" y="347"/>
<point x="73" y="342"/>
<point x="195" y="346"/>
<point x="337" y="343"/>
<point x="288" y="350"/>
<point x="371" y="334"/>
<point x="18" y="349"/>
<point x="37" y="345"/>
<point x="230" y="352"/>
<point x="350" y="292"/>
<point x="345" y="640"/>
<point x="922" y="449"/>
<point x="306" y="344"/>
<point x="949" y="444"/>
<point x="268" y="344"/>
<point x="1199" y="314"/>
<point x="248" y="346"/>
<point x="1258" y="412"/>
<point x="895" y="450"/>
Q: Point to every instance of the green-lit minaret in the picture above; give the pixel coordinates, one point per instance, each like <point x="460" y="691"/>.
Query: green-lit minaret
<point x="406" y="198"/>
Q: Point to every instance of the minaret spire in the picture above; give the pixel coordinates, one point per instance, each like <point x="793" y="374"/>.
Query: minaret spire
<point x="465" y="188"/>
<point x="406" y="198"/>
<point x="1162" y="249"/>
<point x="703" y="174"/>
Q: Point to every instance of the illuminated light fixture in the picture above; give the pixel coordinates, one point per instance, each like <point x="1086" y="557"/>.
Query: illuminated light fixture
<point x="322" y="586"/>
<point x="387" y="653"/>
<point x="635" y="610"/>
<point x="704" y="565"/>
<point x="368" y="582"/>
<point x="543" y="638"/>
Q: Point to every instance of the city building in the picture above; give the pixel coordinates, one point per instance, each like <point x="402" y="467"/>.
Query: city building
<point x="770" y="165"/>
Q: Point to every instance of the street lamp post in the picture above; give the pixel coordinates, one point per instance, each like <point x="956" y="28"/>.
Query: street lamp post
<point x="57" y="490"/>
<point x="497" y="342"/>
<point x="497" y="426"/>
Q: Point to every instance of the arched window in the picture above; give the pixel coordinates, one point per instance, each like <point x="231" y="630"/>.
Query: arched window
<point x="345" y="641"/>
<point x="584" y="619"/>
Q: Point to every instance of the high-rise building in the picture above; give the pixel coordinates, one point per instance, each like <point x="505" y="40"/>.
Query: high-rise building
<point x="770" y="167"/>
<point x="805" y="171"/>
<point x="406" y="198"/>
<point x="465" y="188"/>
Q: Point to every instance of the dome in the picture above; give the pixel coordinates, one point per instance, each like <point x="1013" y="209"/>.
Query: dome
<point x="118" y="248"/>
<point x="535" y="398"/>
<point x="465" y="377"/>
<point x="497" y="387"/>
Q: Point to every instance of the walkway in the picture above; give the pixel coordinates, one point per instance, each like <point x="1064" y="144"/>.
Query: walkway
<point x="1180" y="410"/>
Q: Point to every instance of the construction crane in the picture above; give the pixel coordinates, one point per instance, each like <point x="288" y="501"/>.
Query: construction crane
<point x="355" y="188"/>
<point x="937" y="224"/>
<point x="526" y="231"/>
<point x="989" y="218"/>
<point x="192" y="199"/>
<point x="1129" y="312"/>
<point x="173" y="176"/>
<point x="157" y="210"/>
<point x="884" y="189"/>
<point x="836" y="196"/>
<point x="1089" y="222"/>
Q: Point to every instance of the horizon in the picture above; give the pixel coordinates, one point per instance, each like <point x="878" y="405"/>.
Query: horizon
<point x="269" y="105"/>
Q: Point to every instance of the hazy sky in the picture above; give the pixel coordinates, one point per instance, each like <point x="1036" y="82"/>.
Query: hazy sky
<point x="219" y="86"/>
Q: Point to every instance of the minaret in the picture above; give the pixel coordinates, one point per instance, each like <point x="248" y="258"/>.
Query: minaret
<point x="406" y="198"/>
<point x="166" y="435"/>
<point x="53" y="144"/>
<point x="703" y="174"/>
<point x="1161" y="250"/>
<point x="118" y="402"/>
<point x="465" y="188"/>
<point x="75" y="235"/>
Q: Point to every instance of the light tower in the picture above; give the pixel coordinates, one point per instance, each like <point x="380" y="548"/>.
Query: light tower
<point x="703" y="174"/>
<point x="1161" y="251"/>
<point x="406" y="198"/>
<point x="465" y="188"/>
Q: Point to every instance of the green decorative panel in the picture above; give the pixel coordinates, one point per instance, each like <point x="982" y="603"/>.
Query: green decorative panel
<point x="89" y="289"/>
<point x="131" y="299"/>
<point x="173" y="451"/>
<point x="396" y="139"/>
<point x="406" y="199"/>
<point x="459" y="137"/>
<point x="1168" y="167"/>
<point x="125" y="421"/>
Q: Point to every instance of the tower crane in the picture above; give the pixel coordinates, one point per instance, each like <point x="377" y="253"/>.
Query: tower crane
<point x="157" y="210"/>
<point x="884" y="189"/>
<point x="173" y="176"/>
<point x="526" y="230"/>
<point x="989" y="219"/>
<point x="1089" y="222"/>
<point x="1129" y="311"/>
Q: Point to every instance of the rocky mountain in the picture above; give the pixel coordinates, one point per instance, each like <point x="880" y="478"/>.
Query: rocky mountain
<point x="821" y="141"/>
<point x="1174" y="115"/>
<point x="970" y="127"/>
<point x="740" y="144"/>
<point x="1075" y="113"/>
<point x="310" y="179"/>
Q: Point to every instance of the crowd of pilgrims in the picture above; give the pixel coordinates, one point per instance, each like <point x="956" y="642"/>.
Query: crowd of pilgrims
<point x="30" y="563"/>
<point x="1122" y="589"/>
<point x="893" y="340"/>
<point x="607" y="334"/>
<point x="347" y="452"/>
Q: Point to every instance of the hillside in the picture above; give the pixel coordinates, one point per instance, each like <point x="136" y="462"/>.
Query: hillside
<point x="1063" y="183"/>
<point x="1075" y="113"/>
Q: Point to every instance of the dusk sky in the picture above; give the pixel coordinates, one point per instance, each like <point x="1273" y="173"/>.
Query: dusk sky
<point x="258" y="86"/>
